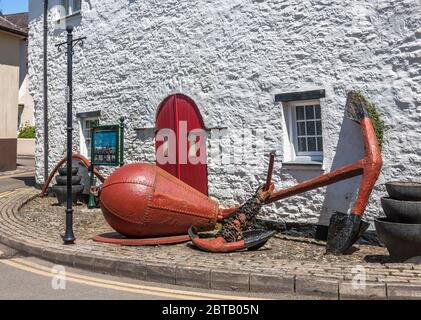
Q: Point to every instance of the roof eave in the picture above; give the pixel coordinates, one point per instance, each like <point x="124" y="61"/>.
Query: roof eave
<point x="14" y="32"/>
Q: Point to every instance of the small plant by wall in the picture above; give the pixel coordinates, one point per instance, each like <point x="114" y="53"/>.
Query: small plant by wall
<point x="27" y="132"/>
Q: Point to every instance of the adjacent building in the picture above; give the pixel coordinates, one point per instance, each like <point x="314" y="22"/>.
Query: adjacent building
<point x="255" y="75"/>
<point x="16" y="104"/>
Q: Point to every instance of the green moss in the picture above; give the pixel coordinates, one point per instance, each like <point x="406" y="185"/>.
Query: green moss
<point x="378" y="124"/>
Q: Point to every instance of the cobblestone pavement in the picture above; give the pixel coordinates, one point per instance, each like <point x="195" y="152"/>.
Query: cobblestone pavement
<point x="283" y="265"/>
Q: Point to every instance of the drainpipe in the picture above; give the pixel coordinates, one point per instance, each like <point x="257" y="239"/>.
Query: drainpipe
<point x="46" y="146"/>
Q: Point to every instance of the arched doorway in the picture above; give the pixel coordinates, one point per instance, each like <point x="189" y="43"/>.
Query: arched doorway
<point x="185" y="147"/>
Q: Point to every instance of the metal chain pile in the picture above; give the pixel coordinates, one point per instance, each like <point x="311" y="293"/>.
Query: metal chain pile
<point x="244" y="219"/>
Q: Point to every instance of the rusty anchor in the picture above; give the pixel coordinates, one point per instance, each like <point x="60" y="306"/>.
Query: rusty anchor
<point x="150" y="206"/>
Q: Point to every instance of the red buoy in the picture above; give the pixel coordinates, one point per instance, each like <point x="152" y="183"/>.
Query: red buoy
<point x="142" y="200"/>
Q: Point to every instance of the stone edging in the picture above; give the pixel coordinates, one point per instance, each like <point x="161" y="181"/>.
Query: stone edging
<point x="185" y="275"/>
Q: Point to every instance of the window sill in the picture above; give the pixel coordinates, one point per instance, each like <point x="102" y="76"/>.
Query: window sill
<point x="69" y="16"/>
<point x="302" y="165"/>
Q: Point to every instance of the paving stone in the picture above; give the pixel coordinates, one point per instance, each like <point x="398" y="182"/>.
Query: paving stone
<point x="272" y="283"/>
<point x="393" y="279"/>
<point x="193" y="277"/>
<point x="105" y="264"/>
<point x="403" y="291"/>
<point x="229" y="280"/>
<point x="60" y="257"/>
<point x="416" y="280"/>
<point x="131" y="269"/>
<point x="160" y="273"/>
<point x="84" y="261"/>
<point x="399" y="266"/>
<point x="347" y="290"/>
<point x="311" y="286"/>
<point x="327" y="276"/>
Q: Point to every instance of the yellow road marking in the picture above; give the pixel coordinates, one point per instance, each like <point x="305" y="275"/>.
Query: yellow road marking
<point x="120" y="286"/>
<point x="94" y="284"/>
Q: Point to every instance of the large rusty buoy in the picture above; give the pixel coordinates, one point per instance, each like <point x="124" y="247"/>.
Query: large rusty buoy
<point x="141" y="200"/>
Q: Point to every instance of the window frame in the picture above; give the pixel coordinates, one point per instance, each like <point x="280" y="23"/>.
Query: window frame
<point x="291" y="122"/>
<point x="85" y="150"/>
<point x="68" y="7"/>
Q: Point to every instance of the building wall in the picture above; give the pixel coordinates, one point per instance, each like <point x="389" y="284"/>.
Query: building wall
<point x="25" y="99"/>
<point x="231" y="57"/>
<point x="9" y="88"/>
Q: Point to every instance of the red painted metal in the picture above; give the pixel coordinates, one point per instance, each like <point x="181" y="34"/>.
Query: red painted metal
<point x="270" y="171"/>
<point x="143" y="200"/>
<point x="218" y="245"/>
<point x="175" y="110"/>
<point x="112" y="239"/>
<point x="369" y="167"/>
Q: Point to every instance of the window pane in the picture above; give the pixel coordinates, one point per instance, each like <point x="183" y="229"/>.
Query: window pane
<point x="319" y="144"/>
<point x="318" y="111"/>
<point x="319" y="128"/>
<point x="302" y="145"/>
<point x="301" y="128"/>
<point x="300" y="112"/>
<point x="311" y="144"/>
<point x="65" y="4"/>
<point x="311" y="128"/>
<point x="76" y="5"/>
<point x="309" y="112"/>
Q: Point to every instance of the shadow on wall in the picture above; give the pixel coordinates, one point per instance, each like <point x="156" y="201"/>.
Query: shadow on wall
<point x="341" y="196"/>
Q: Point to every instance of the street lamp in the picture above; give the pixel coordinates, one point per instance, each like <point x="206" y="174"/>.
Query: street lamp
<point x="69" y="237"/>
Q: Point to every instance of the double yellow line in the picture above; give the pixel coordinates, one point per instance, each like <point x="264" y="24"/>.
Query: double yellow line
<point x="116" y="285"/>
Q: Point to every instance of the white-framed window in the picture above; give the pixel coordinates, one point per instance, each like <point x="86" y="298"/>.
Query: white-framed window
<point x="86" y="125"/>
<point x="71" y="6"/>
<point x="305" y="134"/>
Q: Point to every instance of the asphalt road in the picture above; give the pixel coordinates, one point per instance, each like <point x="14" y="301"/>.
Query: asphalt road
<point x="23" y="277"/>
<point x="20" y="180"/>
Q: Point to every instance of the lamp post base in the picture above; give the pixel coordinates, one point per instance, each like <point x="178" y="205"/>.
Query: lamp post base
<point x="68" y="241"/>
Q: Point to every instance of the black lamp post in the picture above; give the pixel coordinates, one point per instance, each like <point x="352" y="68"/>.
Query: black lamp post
<point x="69" y="237"/>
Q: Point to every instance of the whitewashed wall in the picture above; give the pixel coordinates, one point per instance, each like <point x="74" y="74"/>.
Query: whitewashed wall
<point x="231" y="57"/>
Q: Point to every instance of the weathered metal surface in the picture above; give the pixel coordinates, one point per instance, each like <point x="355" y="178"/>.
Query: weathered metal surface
<point x="402" y="240"/>
<point x="401" y="211"/>
<point x="239" y="231"/>
<point x="115" y="238"/>
<point x="400" y="190"/>
<point x="83" y="160"/>
<point x="142" y="200"/>
<point x="344" y="231"/>
<point x="62" y="180"/>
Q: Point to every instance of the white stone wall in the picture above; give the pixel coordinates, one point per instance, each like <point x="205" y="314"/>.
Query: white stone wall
<point x="231" y="57"/>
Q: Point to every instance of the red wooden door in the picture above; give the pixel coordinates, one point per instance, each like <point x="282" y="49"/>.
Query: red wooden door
<point x="180" y="114"/>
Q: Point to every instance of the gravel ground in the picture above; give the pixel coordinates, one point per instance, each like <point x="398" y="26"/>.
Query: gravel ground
<point x="46" y="214"/>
